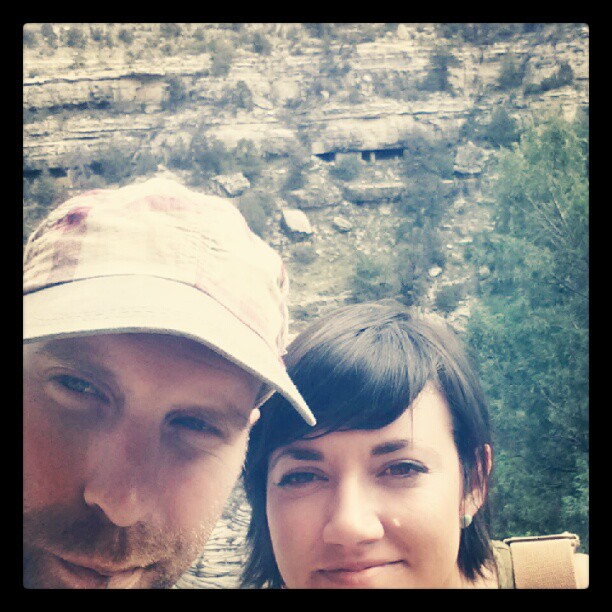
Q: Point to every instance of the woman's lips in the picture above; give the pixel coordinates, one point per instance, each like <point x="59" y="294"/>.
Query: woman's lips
<point x="356" y="574"/>
<point x="76" y="575"/>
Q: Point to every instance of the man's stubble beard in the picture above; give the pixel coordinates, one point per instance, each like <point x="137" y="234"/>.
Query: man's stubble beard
<point x="89" y="535"/>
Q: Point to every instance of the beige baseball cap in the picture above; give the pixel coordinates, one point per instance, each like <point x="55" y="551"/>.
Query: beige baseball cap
<point x="157" y="257"/>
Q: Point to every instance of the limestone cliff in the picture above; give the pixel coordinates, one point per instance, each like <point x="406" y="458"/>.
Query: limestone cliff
<point x="292" y="91"/>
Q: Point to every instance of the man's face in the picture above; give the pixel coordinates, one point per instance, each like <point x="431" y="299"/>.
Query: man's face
<point x="132" y="444"/>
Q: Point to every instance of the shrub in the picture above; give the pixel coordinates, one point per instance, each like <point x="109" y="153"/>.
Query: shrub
<point x="304" y="254"/>
<point x="346" y="169"/>
<point x="43" y="190"/>
<point x="355" y="96"/>
<point x="437" y="77"/>
<point x="176" y="93"/>
<point x="210" y="156"/>
<point x="48" y="34"/>
<point x="447" y="298"/>
<point x="222" y="58"/>
<point x="254" y="214"/>
<point x="170" y="30"/>
<point x="425" y="199"/>
<point x="239" y="96"/>
<point x="126" y="36"/>
<point x="248" y="159"/>
<point x="179" y="155"/>
<point x="422" y="156"/>
<point x="30" y="39"/>
<point x="511" y="73"/>
<point x="113" y="163"/>
<point x="145" y="162"/>
<point x="563" y="76"/>
<point x="419" y="248"/>
<point x="502" y="130"/>
<point x="263" y="199"/>
<point x="373" y="278"/>
<point x="74" y="37"/>
<point x="412" y="283"/>
<point x="480" y="33"/>
<point x="96" y="34"/>
<point x="299" y="164"/>
<point x="261" y="44"/>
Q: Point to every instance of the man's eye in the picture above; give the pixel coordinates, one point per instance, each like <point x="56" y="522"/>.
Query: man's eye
<point x="196" y="424"/>
<point x="78" y="385"/>
<point x="404" y="469"/>
<point x="296" y="479"/>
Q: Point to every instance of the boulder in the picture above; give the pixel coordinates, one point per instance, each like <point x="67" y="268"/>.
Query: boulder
<point x="295" y="222"/>
<point x="230" y="185"/>
<point x="375" y="192"/>
<point x="342" y="224"/>
<point x="316" y="196"/>
<point x="484" y="272"/>
<point x="470" y="160"/>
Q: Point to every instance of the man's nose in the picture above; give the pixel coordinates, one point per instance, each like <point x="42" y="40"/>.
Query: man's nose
<point x="353" y="516"/>
<point x="121" y="479"/>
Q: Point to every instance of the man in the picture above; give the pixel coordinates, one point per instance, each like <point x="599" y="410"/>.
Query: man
<point x="154" y="326"/>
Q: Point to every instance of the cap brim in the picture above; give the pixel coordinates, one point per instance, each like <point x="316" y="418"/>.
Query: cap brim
<point x="144" y="304"/>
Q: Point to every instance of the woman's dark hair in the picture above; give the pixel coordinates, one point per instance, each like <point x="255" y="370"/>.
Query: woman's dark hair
<point x="360" y="367"/>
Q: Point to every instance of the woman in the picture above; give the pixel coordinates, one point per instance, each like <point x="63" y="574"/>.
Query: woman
<point x="390" y="488"/>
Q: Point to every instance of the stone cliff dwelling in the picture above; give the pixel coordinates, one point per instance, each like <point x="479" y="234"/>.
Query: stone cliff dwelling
<point x="368" y="155"/>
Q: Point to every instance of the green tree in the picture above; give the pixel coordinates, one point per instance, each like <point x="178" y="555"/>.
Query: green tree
<point x="529" y="333"/>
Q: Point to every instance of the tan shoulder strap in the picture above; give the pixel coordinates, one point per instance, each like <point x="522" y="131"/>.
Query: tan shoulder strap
<point x="544" y="562"/>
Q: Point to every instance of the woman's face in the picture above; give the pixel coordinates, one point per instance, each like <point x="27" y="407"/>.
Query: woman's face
<point x="370" y="509"/>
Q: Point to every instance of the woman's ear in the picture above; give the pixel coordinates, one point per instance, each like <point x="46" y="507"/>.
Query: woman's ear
<point x="475" y="497"/>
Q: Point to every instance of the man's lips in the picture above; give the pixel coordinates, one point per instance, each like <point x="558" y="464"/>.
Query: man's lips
<point x="86" y="574"/>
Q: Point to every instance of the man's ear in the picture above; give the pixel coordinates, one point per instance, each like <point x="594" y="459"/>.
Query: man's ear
<point x="254" y="416"/>
<point x="475" y="497"/>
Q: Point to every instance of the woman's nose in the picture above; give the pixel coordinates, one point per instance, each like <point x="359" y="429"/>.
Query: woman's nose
<point x="353" y="516"/>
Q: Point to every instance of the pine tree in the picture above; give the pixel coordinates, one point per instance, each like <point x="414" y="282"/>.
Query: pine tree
<point x="529" y="334"/>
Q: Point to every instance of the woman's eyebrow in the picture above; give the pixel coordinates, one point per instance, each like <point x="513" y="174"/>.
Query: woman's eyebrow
<point x="390" y="447"/>
<point x="297" y="453"/>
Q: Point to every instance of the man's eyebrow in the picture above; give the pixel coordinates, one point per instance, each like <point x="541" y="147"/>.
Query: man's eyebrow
<point x="228" y="413"/>
<point x="70" y="353"/>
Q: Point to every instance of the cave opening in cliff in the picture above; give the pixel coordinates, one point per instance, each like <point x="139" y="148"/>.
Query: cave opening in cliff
<point x="382" y="154"/>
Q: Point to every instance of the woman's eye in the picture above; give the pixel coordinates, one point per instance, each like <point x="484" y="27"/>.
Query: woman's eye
<point x="297" y="479"/>
<point x="78" y="385"/>
<point x="403" y="469"/>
